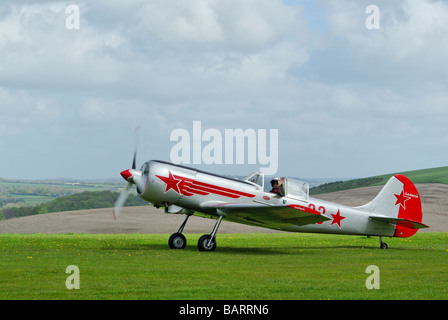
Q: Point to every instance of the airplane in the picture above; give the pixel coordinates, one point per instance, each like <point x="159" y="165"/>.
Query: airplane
<point x="395" y="212"/>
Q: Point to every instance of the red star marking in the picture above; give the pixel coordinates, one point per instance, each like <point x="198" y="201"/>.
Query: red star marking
<point x="401" y="199"/>
<point x="337" y="219"/>
<point x="171" y="182"/>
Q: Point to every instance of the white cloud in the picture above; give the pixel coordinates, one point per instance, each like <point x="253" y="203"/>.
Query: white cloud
<point x="20" y="110"/>
<point x="39" y="51"/>
<point x="106" y="111"/>
<point x="408" y="29"/>
<point x="241" y="25"/>
<point x="270" y="64"/>
<point x="194" y="21"/>
<point x="230" y="64"/>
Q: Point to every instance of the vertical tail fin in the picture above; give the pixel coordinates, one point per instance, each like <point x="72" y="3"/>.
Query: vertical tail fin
<point x="399" y="203"/>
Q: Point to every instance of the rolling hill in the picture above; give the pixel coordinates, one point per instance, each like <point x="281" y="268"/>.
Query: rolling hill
<point x="105" y="199"/>
<point x="432" y="175"/>
<point x="82" y="218"/>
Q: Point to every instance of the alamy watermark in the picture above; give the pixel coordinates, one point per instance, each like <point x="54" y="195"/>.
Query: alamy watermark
<point x="373" y="20"/>
<point x="373" y="281"/>
<point x="213" y="146"/>
<point x="73" y="280"/>
<point x="72" y="22"/>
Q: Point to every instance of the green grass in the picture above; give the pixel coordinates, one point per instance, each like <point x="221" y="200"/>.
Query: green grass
<point x="244" y="266"/>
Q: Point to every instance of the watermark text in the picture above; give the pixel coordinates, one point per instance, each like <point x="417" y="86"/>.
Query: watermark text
<point x="72" y="281"/>
<point x="228" y="147"/>
<point x="373" y="20"/>
<point x="72" y="21"/>
<point x="373" y="281"/>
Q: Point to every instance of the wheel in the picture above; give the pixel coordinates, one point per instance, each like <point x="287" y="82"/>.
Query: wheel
<point x="177" y="241"/>
<point x="203" y="243"/>
<point x="383" y="245"/>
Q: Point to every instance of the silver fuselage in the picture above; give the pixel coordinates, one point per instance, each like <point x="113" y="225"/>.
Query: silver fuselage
<point x="184" y="190"/>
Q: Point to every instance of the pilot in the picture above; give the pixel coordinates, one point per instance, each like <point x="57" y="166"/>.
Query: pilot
<point x="276" y="184"/>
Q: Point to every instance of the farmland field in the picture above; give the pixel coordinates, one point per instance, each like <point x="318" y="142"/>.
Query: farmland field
<point x="31" y="193"/>
<point x="245" y="266"/>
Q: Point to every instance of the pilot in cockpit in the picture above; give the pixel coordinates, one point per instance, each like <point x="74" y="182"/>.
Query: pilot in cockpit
<point x="276" y="183"/>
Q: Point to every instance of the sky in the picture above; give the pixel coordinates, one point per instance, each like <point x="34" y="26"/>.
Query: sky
<point x="351" y="93"/>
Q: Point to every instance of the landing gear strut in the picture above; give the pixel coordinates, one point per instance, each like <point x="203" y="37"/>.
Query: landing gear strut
<point x="208" y="241"/>
<point x="177" y="240"/>
<point x="383" y="245"/>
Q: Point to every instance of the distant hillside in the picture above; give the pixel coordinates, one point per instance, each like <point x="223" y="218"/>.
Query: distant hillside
<point x="79" y="201"/>
<point x="18" y="193"/>
<point x="106" y="199"/>
<point x="433" y="175"/>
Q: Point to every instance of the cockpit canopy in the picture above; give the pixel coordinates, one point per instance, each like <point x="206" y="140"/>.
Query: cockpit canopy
<point x="291" y="188"/>
<point x="296" y="189"/>
<point x="256" y="178"/>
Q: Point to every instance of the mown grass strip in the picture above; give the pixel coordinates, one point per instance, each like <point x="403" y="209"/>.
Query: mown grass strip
<point x="244" y="266"/>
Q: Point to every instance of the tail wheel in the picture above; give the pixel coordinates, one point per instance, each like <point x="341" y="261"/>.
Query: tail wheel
<point x="383" y="245"/>
<point x="177" y="241"/>
<point x="204" y="243"/>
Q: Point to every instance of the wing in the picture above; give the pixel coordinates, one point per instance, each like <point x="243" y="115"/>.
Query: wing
<point x="267" y="216"/>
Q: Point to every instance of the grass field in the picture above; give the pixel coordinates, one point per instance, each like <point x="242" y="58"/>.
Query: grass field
<point x="244" y="266"/>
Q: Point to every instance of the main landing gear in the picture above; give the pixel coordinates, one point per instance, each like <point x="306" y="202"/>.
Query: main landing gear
<point x="208" y="241"/>
<point x="205" y="243"/>
<point x="177" y="240"/>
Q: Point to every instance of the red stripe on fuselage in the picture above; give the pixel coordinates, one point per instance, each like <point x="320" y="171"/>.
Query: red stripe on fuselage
<point x="207" y="191"/>
<point x="190" y="187"/>
<point x="214" y="189"/>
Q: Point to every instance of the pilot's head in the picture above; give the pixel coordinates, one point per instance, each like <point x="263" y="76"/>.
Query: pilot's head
<point x="274" y="182"/>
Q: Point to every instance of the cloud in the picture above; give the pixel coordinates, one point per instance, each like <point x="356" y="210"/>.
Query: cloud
<point x="180" y="21"/>
<point x="314" y="71"/>
<point x="231" y="24"/>
<point x="21" y="111"/>
<point x="105" y="111"/>
<point x="400" y="48"/>
<point x="38" y="50"/>
<point x="157" y="49"/>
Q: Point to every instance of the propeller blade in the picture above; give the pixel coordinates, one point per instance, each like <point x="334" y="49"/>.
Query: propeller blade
<point x="127" y="174"/>
<point x="121" y="200"/>
<point x="136" y="141"/>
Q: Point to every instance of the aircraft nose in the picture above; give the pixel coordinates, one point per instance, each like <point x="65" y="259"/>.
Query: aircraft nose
<point x="126" y="174"/>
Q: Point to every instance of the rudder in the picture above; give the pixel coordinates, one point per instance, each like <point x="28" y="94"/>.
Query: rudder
<point x="410" y="208"/>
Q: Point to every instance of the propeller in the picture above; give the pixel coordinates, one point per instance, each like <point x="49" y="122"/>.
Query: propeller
<point x="132" y="176"/>
<point x="121" y="200"/>
<point x="136" y="140"/>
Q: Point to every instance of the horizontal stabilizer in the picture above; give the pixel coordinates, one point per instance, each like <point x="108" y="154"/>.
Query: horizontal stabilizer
<point x="401" y="222"/>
